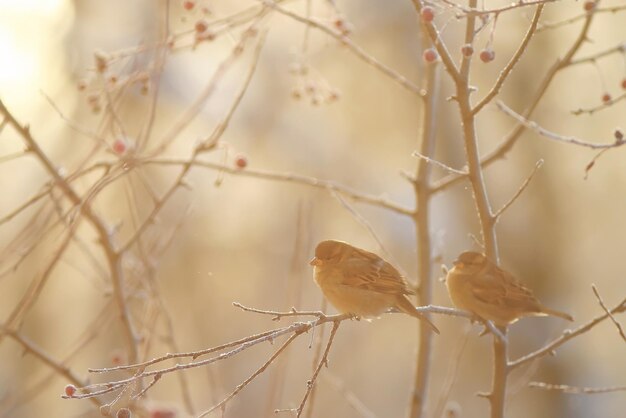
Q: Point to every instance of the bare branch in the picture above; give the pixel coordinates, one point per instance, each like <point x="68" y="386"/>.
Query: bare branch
<point x="251" y="377"/>
<point x="576" y="390"/>
<point x="293" y="312"/>
<point x="565" y="337"/>
<point x="439" y="164"/>
<point x="604" y="105"/>
<point x="324" y="360"/>
<point x="551" y="135"/>
<point x="514" y="60"/>
<point x="113" y="258"/>
<point x="605" y="309"/>
<point x="521" y="189"/>
<point x="293" y="178"/>
<point x="39" y="353"/>
<point x="348" y="43"/>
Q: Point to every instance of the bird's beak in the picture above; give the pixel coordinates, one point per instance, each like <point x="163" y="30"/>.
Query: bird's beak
<point x="315" y="262"/>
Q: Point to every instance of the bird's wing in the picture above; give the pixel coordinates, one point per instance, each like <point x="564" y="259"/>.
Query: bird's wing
<point x="501" y="288"/>
<point x="370" y="272"/>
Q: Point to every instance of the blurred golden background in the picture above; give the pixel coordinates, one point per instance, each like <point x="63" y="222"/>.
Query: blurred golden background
<point x="232" y="237"/>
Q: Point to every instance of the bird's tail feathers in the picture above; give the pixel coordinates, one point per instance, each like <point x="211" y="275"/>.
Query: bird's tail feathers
<point x="407" y="307"/>
<point x="553" y="312"/>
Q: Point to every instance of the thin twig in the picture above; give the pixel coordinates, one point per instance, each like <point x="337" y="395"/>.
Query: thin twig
<point x="349" y="44"/>
<point x="439" y="164"/>
<point x="324" y="360"/>
<point x="192" y="112"/>
<point x="534" y="126"/>
<point x="452" y="374"/>
<point x="519" y="191"/>
<point x="353" y="400"/>
<point x="511" y="139"/>
<point x="293" y="178"/>
<point x="566" y="336"/>
<point x="576" y="390"/>
<point x="514" y="60"/>
<point x="202" y="147"/>
<point x="55" y="365"/>
<point x="605" y="309"/>
<point x="421" y="223"/>
<point x="277" y="314"/>
<point x="243" y="384"/>
<point x="114" y="259"/>
<point x="602" y="106"/>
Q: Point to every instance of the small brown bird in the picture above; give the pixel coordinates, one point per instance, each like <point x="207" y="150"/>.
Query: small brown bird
<point x="478" y="285"/>
<point x="361" y="283"/>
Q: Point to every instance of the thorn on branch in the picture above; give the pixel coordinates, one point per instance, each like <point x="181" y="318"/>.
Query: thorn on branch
<point x="485" y="395"/>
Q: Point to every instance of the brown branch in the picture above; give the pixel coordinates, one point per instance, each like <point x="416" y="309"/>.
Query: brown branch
<point x="349" y="44"/>
<point x="421" y="224"/>
<point x="113" y="258"/>
<point x="352" y="399"/>
<point x="506" y="71"/>
<point x="576" y="390"/>
<point x="292" y="178"/>
<point x="565" y="337"/>
<point x="205" y="145"/>
<point x="452" y="374"/>
<point x="519" y="191"/>
<point x="604" y="105"/>
<point x="567" y="22"/>
<point x="620" y="330"/>
<point x="55" y="365"/>
<point x="442" y="50"/>
<point x="34" y="289"/>
<point x="277" y="315"/>
<point x="554" y="136"/>
<point x="243" y="384"/>
<point x="509" y="141"/>
<point x="590" y="59"/>
<point x="323" y="361"/>
<point x="317" y="355"/>
<point x="439" y="164"/>
<point x="475" y="12"/>
<point x="196" y="107"/>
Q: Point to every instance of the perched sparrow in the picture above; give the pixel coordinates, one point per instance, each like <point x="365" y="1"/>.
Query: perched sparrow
<point x="478" y="285"/>
<point x="358" y="282"/>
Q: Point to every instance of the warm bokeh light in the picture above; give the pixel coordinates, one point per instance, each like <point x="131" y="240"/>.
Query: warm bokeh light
<point x="165" y="226"/>
<point x="31" y="42"/>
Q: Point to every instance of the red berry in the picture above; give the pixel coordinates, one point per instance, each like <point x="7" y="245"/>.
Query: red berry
<point x="123" y="413"/>
<point x="201" y="26"/>
<point x="487" y="55"/>
<point x="333" y="96"/>
<point x="241" y="162"/>
<point x="430" y="55"/>
<point x="70" y="390"/>
<point x="589" y="5"/>
<point x="467" y="50"/>
<point x="117" y="358"/>
<point x="606" y="97"/>
<point x="624" y="83"/>
<point x="119" y="146"/>
<point x="428" y="14"/>
<point x="188" y="5"/>
<point x="162" y="413"/>
<point x="343" y="26"/>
